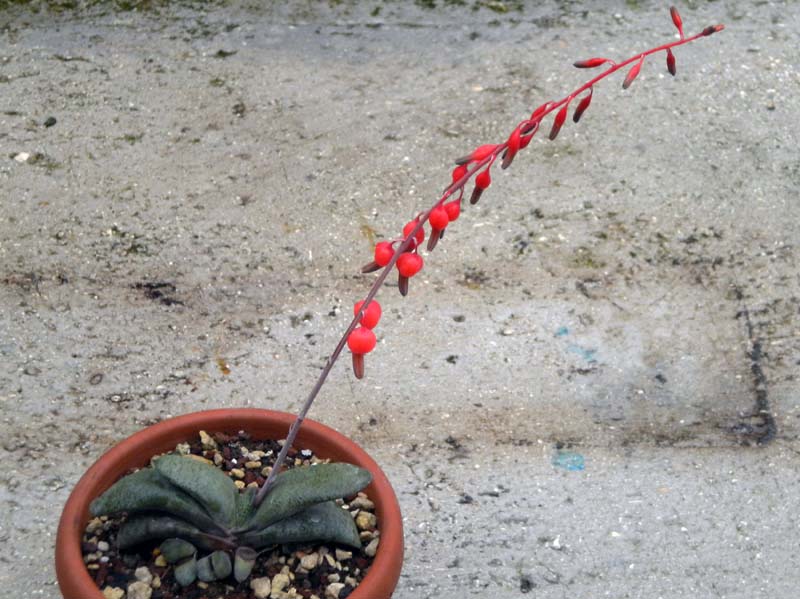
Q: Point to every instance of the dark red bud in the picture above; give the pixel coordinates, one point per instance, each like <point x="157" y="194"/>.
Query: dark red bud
<point x="713" y="29"/>
<point x="633" y="73"/>
<point x="358" y="365"/>
<point x="671" y="63"/>
<point x="528" y="133"/>
<point x="582" y="106"/>
<point x="371" y="267"/>
<point x="402" y="285"/>
<point x="558" y="122"/>
<point x="590" y="63"/>
<point x="676" y="19"/>
<point x="436" y="235"/>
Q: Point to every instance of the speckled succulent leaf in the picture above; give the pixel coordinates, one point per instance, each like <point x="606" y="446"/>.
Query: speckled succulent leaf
<point x="186" y="572"/>
<point x="206" y="483"/>
<point x="148" y="491"/>
<point x="243" y="562"/>
<point x="175" y="550"/>
<point x="244" y="507"/>
<point x="299" y="488"/>
<point x="324" y="522"/>
<point x="215" y="566"/>
<point x="147" y="527"/>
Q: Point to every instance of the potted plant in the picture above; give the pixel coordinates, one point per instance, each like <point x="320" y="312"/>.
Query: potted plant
<point x="200" y="523"/>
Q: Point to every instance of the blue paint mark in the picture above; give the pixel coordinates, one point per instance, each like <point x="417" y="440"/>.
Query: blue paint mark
<point x="586" y="354"/>
<point x="568" y="460"/>
<point x="562" y="331"/>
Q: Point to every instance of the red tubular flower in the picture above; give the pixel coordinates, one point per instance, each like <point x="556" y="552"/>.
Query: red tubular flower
<point x="360" y="341"/>
<point x="383" y="254"/>
<point x="482" y="181"/>
<point x="439" y="221"/>
<point x="559" y="121"/>
<point x="512" y="147"/>
<point x="408" y="265"/>
<point x="478" y="154"/>
<point x="582" y="106"/>
<point x="633" y="73"/>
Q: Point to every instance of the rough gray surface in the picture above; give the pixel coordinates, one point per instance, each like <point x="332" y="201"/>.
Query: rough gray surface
<point x="188" y="235"/>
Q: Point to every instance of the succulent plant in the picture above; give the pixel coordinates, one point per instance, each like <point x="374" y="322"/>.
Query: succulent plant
<point x="192" y="506"/>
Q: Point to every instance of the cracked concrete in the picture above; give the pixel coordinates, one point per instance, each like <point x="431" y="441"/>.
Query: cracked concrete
<point x="188" y="234"/>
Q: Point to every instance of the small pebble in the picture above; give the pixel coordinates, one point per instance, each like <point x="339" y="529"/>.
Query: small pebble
<point x="372" y="548"/>
<point x="310" y="561"/>
<point x="362" y="503"/>
<point x="206" y="441"/>
<point x="252" y="465"/>
<point x="113" y="593"/>
<point x="103" y="546"/>
<point x="261" y="587"/>
<point x="280" y="582"/>
<point x="50" y="121"/>
<point x="143" y="574"/>
<point x="237" y="473"/>
<point x="366" y="521"/>
<point x="239" y="484"/>
<point x="333" y="589"/>
<point x="139" y="590"/>
<point x="342" y="555"/>
<point x="161" y="561"/>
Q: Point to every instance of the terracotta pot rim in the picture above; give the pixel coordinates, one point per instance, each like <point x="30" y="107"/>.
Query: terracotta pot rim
<point x="136" y="450"/>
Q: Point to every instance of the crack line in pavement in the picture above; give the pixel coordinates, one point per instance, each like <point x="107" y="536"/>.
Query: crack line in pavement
<point x="768" y="429"/>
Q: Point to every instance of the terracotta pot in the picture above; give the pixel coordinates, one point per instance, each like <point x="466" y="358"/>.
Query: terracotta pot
<point x="136" y="451"/>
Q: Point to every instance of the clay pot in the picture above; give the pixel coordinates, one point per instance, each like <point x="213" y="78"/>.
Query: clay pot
<point x="136" y="451"/>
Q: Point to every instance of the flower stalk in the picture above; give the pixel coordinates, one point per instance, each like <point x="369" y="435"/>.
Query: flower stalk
<point x="478" y="162"/>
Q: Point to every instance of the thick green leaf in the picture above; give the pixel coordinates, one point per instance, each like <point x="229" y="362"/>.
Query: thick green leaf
<point x="298" y="488"/>
<point x="186" y="572"/>
<point x="325" y="523"/>
<point x="205" y="571"/>
<point x="143" y="528"/>
<point x="175" y="550"/>
<point x="206" y="483"/>
<point x="148" y="491"/>
<point x="243" y="562"/>
<point x="221" y="563"/>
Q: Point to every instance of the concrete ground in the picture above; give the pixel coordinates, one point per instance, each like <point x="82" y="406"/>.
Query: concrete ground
<point x="591" y="389"/>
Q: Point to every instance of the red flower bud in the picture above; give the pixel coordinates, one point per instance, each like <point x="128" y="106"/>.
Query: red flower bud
<point x="539" y="112"/>
<point x="420" y="236"/>
<point x="409" y="264"/>
<point x="453" y="210"/>
<point x="459" y="172"/>
<point x="438" y="218"/>
<point x="590" y="63"/>
<point x="371" y="315"/>
<point x="383" y="253"/>
<point x="633" y="73"/>
<point x="559" y="121"/>
<point x="478" y="154"/>
<point x="528" y="133"/>
<point x="512" y="147"/>
<point x="361" y="340"/>
<point x="676" y="19"/>
<point x="582" y="106"/>
<point x="482" y="181"/>
<point x="671" y="63"/>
